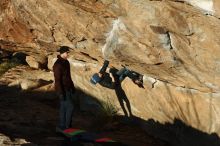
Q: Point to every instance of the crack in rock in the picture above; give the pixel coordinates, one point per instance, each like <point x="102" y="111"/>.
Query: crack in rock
<point x="184" y="87"/>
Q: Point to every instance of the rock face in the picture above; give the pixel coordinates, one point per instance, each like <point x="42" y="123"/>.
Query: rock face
<point x="32" y="62"/>
<point x="173" y="43"/>
<point x="207" y="6"/>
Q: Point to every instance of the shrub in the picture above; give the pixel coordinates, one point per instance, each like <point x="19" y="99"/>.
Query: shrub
<point x="106" y="114"/>
<point x="6" y="65"/>
<point x="108" y="109"/>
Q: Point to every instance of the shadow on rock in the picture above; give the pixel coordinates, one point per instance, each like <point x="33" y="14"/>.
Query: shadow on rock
<point x="177" y="133"/>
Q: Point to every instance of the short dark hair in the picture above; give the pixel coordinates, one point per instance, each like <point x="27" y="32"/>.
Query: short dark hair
<point x="63" y="49"/>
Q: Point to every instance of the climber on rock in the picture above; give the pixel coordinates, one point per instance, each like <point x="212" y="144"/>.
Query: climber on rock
<point x="105" y="79"/>
<point x="113" y="80"/>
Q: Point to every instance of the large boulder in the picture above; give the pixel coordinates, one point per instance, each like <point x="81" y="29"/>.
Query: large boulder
<point x="39" y="62"/>
<point x="173" y="44"/>
<point x="29" y="84"/>
<point x="32" y="62"/>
